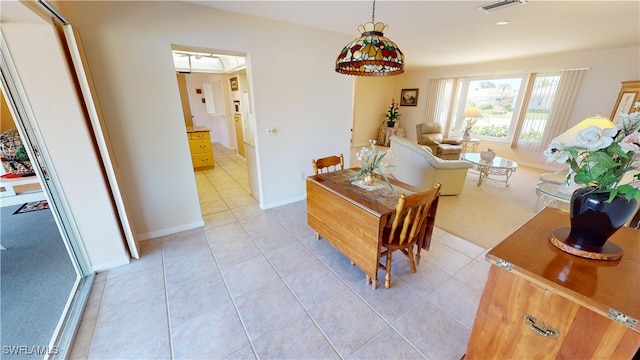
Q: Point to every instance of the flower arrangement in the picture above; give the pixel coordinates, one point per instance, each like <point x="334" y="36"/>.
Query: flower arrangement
<point x="392" y="115"/>
<point x="372" y="163"/>
<point x="599" y="158"/>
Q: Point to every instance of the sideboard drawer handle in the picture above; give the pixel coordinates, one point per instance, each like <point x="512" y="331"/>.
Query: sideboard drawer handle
<point x="540" y="328"/>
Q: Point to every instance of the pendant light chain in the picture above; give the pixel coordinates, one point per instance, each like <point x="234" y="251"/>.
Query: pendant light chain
<point x="373" y="14"/>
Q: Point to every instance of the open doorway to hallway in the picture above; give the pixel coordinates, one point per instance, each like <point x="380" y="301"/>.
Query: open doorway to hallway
<point x="215" y="97"/>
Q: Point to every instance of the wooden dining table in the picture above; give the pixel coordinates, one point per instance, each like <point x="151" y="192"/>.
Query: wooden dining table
<point x="352" y="218"/>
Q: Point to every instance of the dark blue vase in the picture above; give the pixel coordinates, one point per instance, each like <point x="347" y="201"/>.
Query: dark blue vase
<point x="593" y="220"/>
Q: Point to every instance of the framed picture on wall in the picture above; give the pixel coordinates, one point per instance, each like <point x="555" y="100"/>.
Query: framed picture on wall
<point x="409" y="97"/>
<point x="628" y="96"/>
<point x="234" y="83"/>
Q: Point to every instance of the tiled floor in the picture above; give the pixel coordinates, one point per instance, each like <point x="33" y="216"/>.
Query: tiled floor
<point x="256" y="284"/>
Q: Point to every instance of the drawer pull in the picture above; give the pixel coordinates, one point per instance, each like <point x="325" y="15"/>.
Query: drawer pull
<point x="540" y="328"/>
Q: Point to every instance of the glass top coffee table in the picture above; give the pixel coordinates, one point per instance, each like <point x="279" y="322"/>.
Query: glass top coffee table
<point x="498" y="167"/>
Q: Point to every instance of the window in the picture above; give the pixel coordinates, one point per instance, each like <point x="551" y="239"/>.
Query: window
<point x="538" y="109"/>
<point x="526" y="110"/>
<point x="499" y="100"/>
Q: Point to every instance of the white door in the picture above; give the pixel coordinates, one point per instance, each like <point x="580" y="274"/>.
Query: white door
<point x="100" y="133"/>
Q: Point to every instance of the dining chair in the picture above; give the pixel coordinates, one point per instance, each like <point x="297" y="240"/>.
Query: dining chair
<point x="406" y="226"/>
<point x="328" y="164"/>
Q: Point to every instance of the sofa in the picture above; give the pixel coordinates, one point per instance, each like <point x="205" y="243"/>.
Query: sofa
<point x="416" y="165"/>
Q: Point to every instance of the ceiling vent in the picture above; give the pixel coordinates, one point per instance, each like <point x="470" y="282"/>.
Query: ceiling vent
<point x="501" y="5"/>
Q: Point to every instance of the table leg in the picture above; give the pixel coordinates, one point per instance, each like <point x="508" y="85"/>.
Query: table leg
<point x="483" y="172"/>
<point x="508" y="173"/>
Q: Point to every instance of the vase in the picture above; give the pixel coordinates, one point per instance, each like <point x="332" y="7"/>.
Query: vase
<point x="368" y="179"/>
<point x="594" y="220"/>
<point x="390" y="124"/>
<point x="487" y="155"/>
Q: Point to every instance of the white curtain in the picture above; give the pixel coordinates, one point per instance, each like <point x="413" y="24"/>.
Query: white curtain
<point x="563" y="102"/>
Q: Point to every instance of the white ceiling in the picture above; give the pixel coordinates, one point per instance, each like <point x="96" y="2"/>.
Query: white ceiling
<point x="436" y="33"/>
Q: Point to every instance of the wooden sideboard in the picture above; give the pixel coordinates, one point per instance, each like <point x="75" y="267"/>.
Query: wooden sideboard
<point x="200" y="147"/>
<point x="542" y="303"/>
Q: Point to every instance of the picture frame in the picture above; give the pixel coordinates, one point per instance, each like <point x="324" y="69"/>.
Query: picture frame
<point x="409" y="97"/>
<point x="234" y="83"/>
<point x="629" y="95"/>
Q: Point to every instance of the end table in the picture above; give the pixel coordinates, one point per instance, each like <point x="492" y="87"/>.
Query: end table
<point x="387" y="132"/>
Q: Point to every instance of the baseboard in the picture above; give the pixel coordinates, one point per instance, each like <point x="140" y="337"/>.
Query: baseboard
<point x="169" y="231"/>
<point x="111" y="264"/>
<point x="284" y="202"/>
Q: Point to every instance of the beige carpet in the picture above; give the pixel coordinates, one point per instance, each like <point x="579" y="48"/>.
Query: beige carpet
<point x="487" y="214"/>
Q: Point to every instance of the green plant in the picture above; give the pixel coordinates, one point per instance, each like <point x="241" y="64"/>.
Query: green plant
<point x="393" y="113"/>
<point x="599" y="158"/>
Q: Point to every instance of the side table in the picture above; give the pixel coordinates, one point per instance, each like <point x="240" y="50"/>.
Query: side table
<point x="387" y="132"/>
<point x="470" y="143"/>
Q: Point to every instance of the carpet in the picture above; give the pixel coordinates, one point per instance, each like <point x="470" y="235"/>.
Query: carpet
<point x="487" y="214"/>
<point x="37" y="279"/>
<point x="32" y="206"/>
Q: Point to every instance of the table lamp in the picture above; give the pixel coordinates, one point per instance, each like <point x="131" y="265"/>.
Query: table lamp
<point x="472" y="113"/>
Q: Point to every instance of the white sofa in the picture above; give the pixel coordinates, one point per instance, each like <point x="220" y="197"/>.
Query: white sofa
<point x="416" y="165"/>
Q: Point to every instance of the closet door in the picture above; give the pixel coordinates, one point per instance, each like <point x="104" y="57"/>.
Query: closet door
<point x="100" y="133"/>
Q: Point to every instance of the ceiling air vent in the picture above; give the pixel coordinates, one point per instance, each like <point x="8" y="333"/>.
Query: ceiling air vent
<point x="501" y="5"/>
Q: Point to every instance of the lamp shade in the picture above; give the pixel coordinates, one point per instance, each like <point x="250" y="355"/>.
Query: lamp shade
<point x="371" y="54"/>
<point x="472" y="112"/>
<point x="569" y="136"/>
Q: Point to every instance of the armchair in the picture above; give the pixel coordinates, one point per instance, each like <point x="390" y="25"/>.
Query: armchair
<point x="430" y="134"/>
<point x="416" y="165"/>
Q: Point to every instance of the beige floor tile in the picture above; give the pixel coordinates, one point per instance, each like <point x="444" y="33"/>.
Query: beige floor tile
<point x="298" y="339"/>
<point x="347" y="322"/>
<point x="212" y="334"/>
<point x="434" y="333"/>
<point x="458" y="300"/>
<point x="387" y="345"/>
<point x="268" y="309"/>
<point x="445" y="258"/>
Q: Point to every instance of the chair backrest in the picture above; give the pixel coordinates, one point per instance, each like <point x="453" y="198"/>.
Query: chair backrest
<point x="431" y="128"/>
<point x="429" y="133"/>
<point x="328" y="164"/>
<point x="409" y="217"/>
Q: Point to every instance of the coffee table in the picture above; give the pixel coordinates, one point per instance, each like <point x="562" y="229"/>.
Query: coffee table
<point x="498" y="166"/>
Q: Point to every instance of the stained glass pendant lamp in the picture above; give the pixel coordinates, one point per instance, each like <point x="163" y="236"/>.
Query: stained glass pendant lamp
<point x="372" y="54"/>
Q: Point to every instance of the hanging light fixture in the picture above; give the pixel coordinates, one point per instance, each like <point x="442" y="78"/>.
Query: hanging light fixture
<point x="371" y="54"/>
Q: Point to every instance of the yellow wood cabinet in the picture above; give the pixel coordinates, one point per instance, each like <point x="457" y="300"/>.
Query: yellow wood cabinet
<point x="200" y="147"/>
<point x="542" y="303"/>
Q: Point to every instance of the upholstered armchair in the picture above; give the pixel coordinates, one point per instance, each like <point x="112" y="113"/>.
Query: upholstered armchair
<point x="416" y="165"/>
<point x="430" y="134"/>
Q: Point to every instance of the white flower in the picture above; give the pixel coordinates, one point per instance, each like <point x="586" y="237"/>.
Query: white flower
<point x="555" y="153"/>
<point x="631" y="142"/>
<point x="594" y="138"/>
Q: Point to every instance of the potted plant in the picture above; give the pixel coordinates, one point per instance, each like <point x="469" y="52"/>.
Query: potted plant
<point x="598" y="159"/>
<point x="392" y="115"/>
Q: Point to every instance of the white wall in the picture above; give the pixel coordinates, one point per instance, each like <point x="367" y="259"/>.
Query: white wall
<point x="598" y="92"/>
<point x="218" y="122"/>
<point x="50" y="88"/>
<point x="128" y="46"/>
